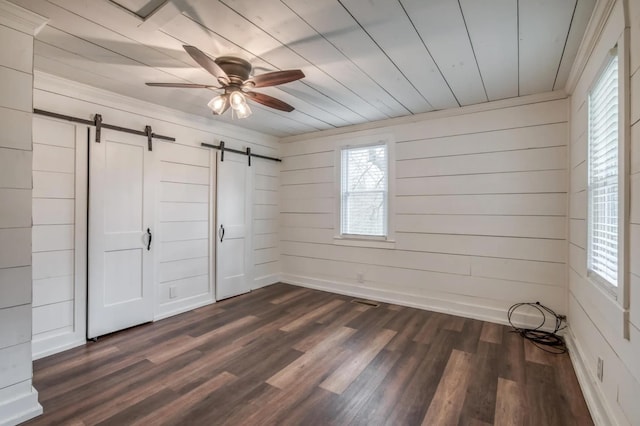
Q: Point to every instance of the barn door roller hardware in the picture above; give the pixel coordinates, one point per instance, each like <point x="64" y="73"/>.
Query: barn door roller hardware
<point x="99" y="125"/>
<point x="248" y="152"/>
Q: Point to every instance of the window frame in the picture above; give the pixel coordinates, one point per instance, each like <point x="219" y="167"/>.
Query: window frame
<point x="385" y="241"/>
<point x="619" y="291"/>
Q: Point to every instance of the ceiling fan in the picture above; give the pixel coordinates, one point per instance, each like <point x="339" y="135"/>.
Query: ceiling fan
<point x="232" y="74"/>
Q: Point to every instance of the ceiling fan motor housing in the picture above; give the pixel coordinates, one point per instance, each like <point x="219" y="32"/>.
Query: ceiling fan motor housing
<point x="236" y="68"/>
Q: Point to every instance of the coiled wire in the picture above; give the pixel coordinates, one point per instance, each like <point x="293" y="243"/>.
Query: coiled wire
<point x="547" y="341"/>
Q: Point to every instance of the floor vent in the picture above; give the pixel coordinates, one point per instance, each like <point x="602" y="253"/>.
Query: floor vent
<point x="366" y="303"/>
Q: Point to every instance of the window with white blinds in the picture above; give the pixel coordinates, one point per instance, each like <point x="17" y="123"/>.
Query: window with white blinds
<point x="364" y="195"/>
<point x="603" y="176"/>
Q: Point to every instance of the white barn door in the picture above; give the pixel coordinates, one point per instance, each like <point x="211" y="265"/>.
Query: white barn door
<point x="121" y="242"/>
<point x="233" y="233"/>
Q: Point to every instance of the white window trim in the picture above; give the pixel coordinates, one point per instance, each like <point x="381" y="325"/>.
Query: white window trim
<point x="387" y="241"/>
<point x="618" y="294"/>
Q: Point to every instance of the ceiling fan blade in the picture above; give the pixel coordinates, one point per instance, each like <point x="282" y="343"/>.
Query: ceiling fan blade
<point x="207" y="63"/>
<point x="275" y="78"/>
<point x="183" y="85"/>
<point x="269" y="101"/>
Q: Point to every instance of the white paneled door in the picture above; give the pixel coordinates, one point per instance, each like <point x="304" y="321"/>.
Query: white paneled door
<point x="233" y="247"/>
<point x="121" y="242"/>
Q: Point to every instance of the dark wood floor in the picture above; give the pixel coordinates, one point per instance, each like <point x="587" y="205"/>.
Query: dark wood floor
<point x="287" y="355"/>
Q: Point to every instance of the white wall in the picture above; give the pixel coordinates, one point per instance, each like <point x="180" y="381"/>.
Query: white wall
<point x="58" y="265"/>
<point x="597" y="320"/>
<point x="18" y="399"/>
<point x="480" y="210"/>
<point x="185" y="206"/>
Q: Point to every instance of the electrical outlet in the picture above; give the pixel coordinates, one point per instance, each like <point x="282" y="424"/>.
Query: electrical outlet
<point x="173" y="292"/>
<point x="600" y="371"/>
<point x="360" y="276"/>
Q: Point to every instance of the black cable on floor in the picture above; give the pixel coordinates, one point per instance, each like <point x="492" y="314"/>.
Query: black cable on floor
<point x="547" y="341"/>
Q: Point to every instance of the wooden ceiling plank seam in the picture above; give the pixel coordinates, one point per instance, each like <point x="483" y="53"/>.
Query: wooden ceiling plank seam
<point x="359" y="84"/>
<point x="386" y="22"/>
<point x="390" y="59"/>
<point x="102" y="13"/>
<point x="278" y="93"/>
<point x="564" y="47"/>
<point x="413" y="101"/>
<point x="440" y="24"/>
<point x="68" y="20"/>
<point x="582" y="15"/>
<point x="475" y="57"/>
<point x="61" y="5"/>
<point x="376" y="82"/>
<point x="542" y="34"/>
<point x="429" y="51"/>
<point x="339" y="106"/>
<point x="492" y="28"/>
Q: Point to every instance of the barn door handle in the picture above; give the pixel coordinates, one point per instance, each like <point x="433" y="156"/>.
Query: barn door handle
<point x="149" y="241"/>
<point x="221" y="233"/>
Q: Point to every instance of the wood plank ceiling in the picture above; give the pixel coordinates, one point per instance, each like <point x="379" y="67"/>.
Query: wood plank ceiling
<point x="364" y="60"/>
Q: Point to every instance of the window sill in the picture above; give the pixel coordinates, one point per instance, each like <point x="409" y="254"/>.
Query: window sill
<point x="606" y="288"/>
<point x="364" y="242"/>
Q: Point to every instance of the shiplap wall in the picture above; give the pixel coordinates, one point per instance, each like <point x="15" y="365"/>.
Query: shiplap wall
<point x="18" y="399"/>
<point x="58" y="323"/>
<point x="266" y="254"/>
<point x="184" y="194"/>
<point x="597" y="321"/>
<point x="186" y="188"/>
<point x="480" y="212"/>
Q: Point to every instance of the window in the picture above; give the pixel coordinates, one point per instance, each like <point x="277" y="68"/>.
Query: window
<point x="364" y="204"/>
<point x="603" y="179"/>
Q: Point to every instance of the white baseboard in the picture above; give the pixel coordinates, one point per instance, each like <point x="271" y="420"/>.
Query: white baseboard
<point x="265" y="281"/>
<point x="590" y="390"/>
<point x="23" y="407"/>
<point x="170" y="309"/>
<point x="54" y="344"/>
<point x="479" y="312"/>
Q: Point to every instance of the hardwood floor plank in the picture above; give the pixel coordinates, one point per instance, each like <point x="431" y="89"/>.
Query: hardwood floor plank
<point x="512" y="359"/>
<point x="532" y="353"/>
<point x="299" y="367"/>
<point x="289" y="295"/>
<point x="491" y="333"/>
<point x="386" y="395"/>
<point x="446" y="405"/>
<point x="340" y="379"/>
<point x="168" y="353"/>
<point x="454" y="323"/>
<point x="429" y="329"/>
<point x="182" y="404"/>
<point x="510" y="404"/>
<point x="414" y="400"/>
<point x="312" y="316"/>
<point x="357" y="396"/>
<point x="480" y="401"/>
<point x="469" y="337"/>
<point x="127" y="392"/>
<point x="547" y="405"/>
<point x="284" y="355"/>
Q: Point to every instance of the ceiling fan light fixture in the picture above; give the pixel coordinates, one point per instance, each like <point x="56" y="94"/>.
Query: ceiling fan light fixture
<point x="218" y="104"/>
<point x="243" y="111"/>
<point x="237" y="100"/>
